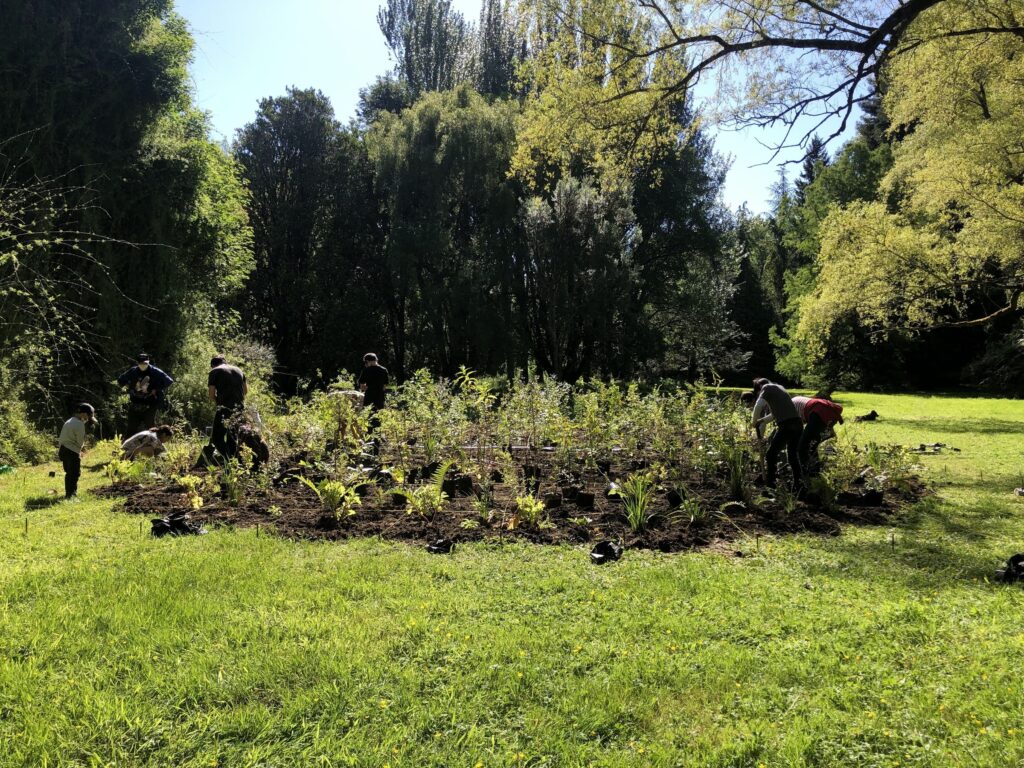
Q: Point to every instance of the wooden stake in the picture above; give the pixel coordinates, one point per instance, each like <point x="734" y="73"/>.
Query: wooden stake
<point x="26" y="526"/>
<point x="892" y="541"/>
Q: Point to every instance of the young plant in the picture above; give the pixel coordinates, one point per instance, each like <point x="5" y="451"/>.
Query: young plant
<point x="694" y="510"/>
<point x="193" y="486"/>
<point x="637" y="493"/>
<point x="529" y="513"/>
<point x="428" y="499"/>
<point x="234" y="474"/>
<point x="336" y="497"/>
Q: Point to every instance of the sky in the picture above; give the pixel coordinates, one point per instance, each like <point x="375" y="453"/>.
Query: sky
<point x="250" y="49"/>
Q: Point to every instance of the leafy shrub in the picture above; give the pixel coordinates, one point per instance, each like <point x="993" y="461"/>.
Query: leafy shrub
<point x="529" y="513"/>
<point x="428" y="499"/>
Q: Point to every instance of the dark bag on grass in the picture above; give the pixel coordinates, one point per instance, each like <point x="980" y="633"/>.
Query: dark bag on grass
<point x="176" y="524"/>
<point x="605" y="552"/>
<point x="1014" y="570"/>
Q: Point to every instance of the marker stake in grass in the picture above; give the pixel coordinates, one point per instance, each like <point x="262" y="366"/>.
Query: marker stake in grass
<point x="26" y="526"/>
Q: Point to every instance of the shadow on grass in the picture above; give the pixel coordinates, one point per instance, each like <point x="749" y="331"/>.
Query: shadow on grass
<point x="936" y="545"/>
<point x="973" y="425"/>
<point x="42" y="502"/>
<point x="97" y="467"/>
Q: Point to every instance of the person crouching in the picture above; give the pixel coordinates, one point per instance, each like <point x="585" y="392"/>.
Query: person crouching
<point x="148" y="443"/>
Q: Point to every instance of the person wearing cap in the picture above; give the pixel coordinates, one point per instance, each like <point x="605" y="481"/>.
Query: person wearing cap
<point x="789" y="429"/>
<point x="146" y="387"/>
<point x="228" y="389"/>
<point x="372" y="382"/>
<point x="72" y="446"/>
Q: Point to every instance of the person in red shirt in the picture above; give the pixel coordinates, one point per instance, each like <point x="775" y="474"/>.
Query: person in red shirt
<point x="820" y="417"/>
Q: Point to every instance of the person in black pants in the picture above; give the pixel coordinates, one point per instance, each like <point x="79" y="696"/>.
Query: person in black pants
<point x="821" y="416"/>
<point x="373" y="382"/>
<point x="228" y="388"/>
<point x="789" y="429"/>
<point x="147" y="386"/>
<point x="72" y="446"/>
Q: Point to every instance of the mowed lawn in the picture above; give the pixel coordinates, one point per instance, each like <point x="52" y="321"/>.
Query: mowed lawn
<point x="885" y="646"/>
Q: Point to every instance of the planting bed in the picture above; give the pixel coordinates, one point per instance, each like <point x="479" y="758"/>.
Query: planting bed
<point x="483" y="506"/>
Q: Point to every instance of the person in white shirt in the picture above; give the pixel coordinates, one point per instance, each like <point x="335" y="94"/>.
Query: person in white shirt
<point x="148" y="443"/>
<point x="72" y="446"/>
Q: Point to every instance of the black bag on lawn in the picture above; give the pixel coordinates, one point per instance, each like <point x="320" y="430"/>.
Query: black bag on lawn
<point x="176" y="524"/>
<point x="441" y="547"/>
<point x="605" y="552"/>
<point x="1014" y="570"/>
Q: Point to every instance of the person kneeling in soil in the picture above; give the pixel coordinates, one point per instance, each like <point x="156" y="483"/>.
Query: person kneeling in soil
<point x="72" y="446"/>
<point x="820" y="417"/>
<point x="774" y="397"/>
<point x="148" y="443"/>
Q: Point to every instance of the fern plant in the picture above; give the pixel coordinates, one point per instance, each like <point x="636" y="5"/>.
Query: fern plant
<point x="336" y="497"/>
<point x="429" y="498"/>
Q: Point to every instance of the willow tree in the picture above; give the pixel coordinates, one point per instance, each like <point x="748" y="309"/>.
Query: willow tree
<point x="950" y="252"/>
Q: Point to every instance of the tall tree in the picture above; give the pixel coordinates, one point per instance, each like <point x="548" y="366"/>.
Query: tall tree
<point x="287" y="153"/>
<point x="575" y="276"/>
<point x="500" y="48"/>
<point x="442" y="169"/>
<point x="97" y="100"/>
<point x="430" y="42"/>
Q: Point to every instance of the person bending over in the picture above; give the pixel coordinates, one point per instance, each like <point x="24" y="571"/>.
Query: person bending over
<point x="774" y="397"/>
<point x="148" y="443"/>
<point x="821" y="416"/>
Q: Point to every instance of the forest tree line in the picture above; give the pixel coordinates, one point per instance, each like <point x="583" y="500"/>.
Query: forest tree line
<point x="523" y="192"/>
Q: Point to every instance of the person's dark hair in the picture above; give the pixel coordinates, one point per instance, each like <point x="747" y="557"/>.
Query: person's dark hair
<point x="747" y="398"/>
<point x="759" y="384"/>
<point x="142" y="357"/>
<point x="85" y="408"/>
<point x="217" y="360"/>
<point x="164" y="431"/>
<point x="369" y="357"/>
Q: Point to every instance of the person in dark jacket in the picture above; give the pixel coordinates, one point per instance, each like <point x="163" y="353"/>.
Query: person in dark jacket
<point x="147" y="386"/>
<point x="789" y="428"/>
<point x="373" y="382"/>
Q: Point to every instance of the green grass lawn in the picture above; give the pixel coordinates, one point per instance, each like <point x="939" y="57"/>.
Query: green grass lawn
<point x="885" y="646"/>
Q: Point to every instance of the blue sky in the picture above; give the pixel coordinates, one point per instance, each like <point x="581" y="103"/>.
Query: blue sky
<point x="249" y="49"/>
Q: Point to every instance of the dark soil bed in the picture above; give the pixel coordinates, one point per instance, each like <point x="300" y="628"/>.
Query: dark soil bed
<point x="293" y="510"/>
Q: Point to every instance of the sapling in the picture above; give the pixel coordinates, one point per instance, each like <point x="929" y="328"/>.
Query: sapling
<point x="336" y="497"/>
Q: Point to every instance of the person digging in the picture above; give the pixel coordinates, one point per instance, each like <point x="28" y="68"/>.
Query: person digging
<point x="820" y="418"/>
<point x="72" y="446"/>
<point x="228" y="388"/>
<point x="789" y="429"/>
<point x="147" y="386"/>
